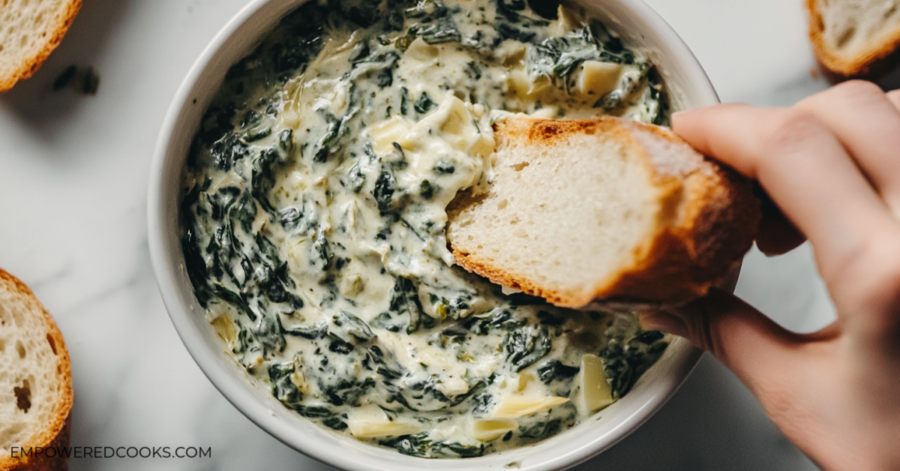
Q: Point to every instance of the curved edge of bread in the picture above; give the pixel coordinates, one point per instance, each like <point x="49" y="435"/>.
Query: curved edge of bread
<point x="871" y="64"/>
<point x="31" y="65"/>
<point x="718" y="222"/>
<point x="713" y="220"/>
<point x="57" y="433"/>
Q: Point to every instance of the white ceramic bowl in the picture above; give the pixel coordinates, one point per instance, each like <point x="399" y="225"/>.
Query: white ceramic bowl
<point x="635" y="21"/>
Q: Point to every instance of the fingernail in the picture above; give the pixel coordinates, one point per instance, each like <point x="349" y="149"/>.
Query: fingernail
<point x="664" y="322"/>
<point x="681" y="114"/>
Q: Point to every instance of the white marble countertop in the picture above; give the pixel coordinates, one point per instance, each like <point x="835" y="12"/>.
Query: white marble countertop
<point x="73" y="182"/>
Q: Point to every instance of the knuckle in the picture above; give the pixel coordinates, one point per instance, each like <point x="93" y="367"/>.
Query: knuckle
<point x="702" y="333"/>
<point x="871" y="279"/>
<point x="858" y="91"/>
<point x="882" y="261"/>
<point x="790" y="129"/>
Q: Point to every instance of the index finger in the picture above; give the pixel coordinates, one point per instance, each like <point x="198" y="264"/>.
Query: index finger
<point x="802" y="166"/>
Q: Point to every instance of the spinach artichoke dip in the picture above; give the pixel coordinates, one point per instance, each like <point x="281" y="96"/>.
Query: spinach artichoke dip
<point x="314" y="216"/>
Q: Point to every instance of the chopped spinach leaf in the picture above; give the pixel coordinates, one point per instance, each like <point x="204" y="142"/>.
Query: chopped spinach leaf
<point x="424" y="104"/>
<point x="310" y="333"/>
<point x="525" y="346"/>
<point x="314" y="412"/>
<point x="555" y="370"/>
<point x="444" y="167"/>
<point x="385" y="187"/>
<point x="405" y="300"/>
<point x="541" y="430"/>
<point x="442" y="32"/>
<point x="283" y="387"/>
<point x="354" y="326"/>
<point x="496" y="319"/>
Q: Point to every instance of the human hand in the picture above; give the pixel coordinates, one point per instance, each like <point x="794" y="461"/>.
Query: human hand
<point x="831" y="165"/>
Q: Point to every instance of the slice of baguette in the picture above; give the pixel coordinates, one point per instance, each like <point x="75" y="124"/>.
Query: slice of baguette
<point x="35" y="382"/>
<point x="603" y="209"/>
<point x="29" y="31"/>
<point x="855" y="38"/>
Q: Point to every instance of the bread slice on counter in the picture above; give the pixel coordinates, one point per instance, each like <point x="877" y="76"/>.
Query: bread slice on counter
<point x="29" y="31"/>
<point x="603" y="209"/>
<point x="35" y="381"/>
<point x="855" y="38"/>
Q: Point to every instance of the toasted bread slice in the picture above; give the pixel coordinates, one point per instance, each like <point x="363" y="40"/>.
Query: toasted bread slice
<point x="35" y="382"/>
<point x="855" y="38"/>
<point x="603" y="209"/>
<point x="31" y="30"/>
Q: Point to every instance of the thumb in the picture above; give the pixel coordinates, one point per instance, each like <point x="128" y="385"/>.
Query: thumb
<point x="743" y="339"/>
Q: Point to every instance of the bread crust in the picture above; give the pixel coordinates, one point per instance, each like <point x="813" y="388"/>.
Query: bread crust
<point x="57" y="433"/>
<point x="719" y="223"/>
<point x="34" y="63"/>
<point x="872" y="64"/>
<point x="707" y="222"/>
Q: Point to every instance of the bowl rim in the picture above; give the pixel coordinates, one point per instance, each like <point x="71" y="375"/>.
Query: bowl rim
<point x="235" y="390"/>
